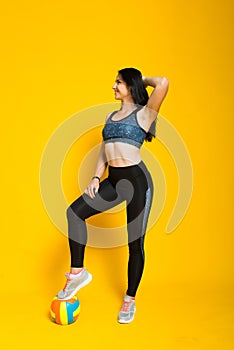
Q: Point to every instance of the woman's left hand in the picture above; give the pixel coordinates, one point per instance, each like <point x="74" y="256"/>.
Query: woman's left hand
<point x="92" y="188"/>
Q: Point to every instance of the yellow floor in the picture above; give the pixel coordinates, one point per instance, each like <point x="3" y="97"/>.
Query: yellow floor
<point x="169" y="316"/>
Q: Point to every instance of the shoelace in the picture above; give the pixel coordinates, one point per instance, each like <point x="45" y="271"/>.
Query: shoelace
<point x="67" y="284"/>
<point x="68" y="281"/>
<point x="126" y="306"/>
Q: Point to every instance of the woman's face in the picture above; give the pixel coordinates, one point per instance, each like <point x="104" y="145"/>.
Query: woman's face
<point x="122" y="91"/>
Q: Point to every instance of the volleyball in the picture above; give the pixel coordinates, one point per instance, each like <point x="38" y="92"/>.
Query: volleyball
<point x="64" y="312"/>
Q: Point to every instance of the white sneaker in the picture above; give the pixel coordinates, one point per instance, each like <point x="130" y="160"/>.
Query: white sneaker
<point x="74" y="283"/>
<point x="128" y="309"/>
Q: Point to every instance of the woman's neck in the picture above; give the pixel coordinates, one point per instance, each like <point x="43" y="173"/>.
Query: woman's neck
<point x="127" y="106"/>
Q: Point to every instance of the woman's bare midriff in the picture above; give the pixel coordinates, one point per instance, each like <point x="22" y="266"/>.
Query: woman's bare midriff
<point x="120" y="154"/>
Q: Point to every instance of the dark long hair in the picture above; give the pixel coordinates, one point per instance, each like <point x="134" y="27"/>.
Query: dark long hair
<point x="133" y="79"/>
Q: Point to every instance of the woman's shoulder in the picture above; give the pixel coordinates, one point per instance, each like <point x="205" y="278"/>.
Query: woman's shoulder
<point x="109" y="115"/>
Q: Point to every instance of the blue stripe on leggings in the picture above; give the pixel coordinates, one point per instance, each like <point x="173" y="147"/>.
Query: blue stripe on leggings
<point x="145" y="220"/>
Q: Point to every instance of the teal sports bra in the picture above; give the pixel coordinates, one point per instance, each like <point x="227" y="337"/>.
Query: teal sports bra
<point x="126" y="130"/>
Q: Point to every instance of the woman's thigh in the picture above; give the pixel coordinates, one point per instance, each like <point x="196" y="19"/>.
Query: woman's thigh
<point x="105" y="198"/>
<point x="138" y="208"/>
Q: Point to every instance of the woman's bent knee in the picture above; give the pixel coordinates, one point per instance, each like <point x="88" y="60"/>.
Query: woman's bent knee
<point x="69" y="212"/>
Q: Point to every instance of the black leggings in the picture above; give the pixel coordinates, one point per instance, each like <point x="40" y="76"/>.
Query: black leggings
<point x="132" y="184"/>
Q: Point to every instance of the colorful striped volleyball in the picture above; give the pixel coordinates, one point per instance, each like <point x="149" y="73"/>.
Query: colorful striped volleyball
<point x="64" y="312"/>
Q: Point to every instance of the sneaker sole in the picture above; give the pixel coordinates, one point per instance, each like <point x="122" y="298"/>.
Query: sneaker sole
<point x="83" y="284"/>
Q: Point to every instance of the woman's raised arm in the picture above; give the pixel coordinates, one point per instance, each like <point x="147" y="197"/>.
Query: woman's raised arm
<point x="160" y="85"/>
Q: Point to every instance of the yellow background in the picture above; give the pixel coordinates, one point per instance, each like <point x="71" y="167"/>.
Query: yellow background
<point x="60" y="57"/>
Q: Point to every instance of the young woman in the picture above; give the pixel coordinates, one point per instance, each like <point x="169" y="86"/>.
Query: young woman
<point x="128" y="180"/>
